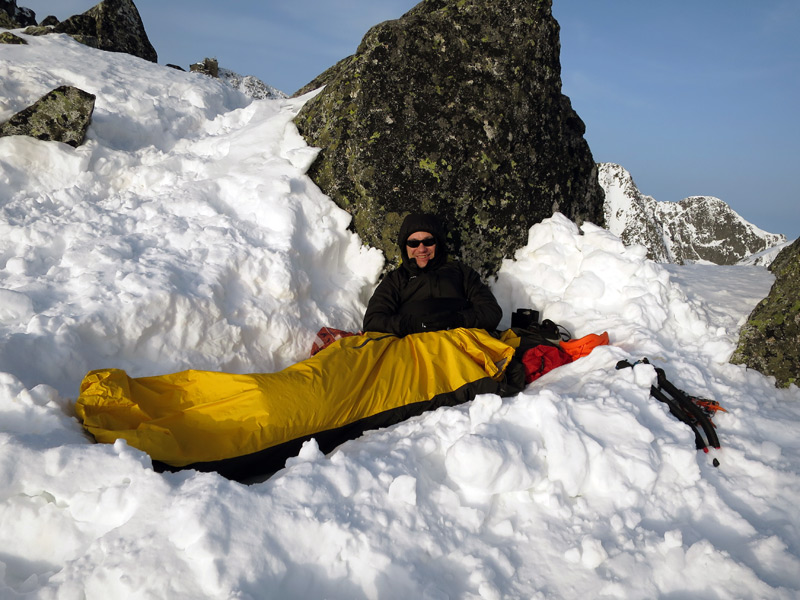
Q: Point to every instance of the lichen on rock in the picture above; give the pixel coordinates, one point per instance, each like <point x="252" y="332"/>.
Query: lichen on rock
<point x="14" y="17"/>
<point x="9" y="38"/>
<point x="112" y="25"/>
<point x="770" y="340"/>
<point x="455" y="108"/>
<point x="62" y="115"/>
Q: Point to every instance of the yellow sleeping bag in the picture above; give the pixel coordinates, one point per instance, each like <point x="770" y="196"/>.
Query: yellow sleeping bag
<point x="244" y="425"/>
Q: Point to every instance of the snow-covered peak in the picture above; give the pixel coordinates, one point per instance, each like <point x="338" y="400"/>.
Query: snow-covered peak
<point x="630" y="214"/>
<point x="250" y="85"/>
<point x="765" y="257"/>
<point x="696" y="229"/>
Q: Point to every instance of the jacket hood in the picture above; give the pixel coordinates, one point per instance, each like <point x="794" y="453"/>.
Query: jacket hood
<point x="419" y="222"/>
<point x="423" y="222"/>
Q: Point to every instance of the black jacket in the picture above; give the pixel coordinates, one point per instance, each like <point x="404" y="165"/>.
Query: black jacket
<point x="443" y="295"/>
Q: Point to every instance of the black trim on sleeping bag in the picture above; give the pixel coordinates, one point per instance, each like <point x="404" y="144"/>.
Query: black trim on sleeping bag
<point x="270" y="460"/>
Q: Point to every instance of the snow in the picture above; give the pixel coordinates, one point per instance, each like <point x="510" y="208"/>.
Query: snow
<point x="765" y="257"/>
<point x="638" y="218"/>
<point x="185" y="233"/>
<point x="620" y="191"/>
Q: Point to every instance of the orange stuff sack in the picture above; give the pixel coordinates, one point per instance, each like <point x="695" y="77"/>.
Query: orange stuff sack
<point x="581" y="347"/>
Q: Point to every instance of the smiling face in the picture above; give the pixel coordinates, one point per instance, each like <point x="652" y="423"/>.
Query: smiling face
<point x="422" y="254"/>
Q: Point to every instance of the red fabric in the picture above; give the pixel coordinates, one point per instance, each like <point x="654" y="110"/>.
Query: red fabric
<point x="326" y="336"/>
<point x="543" y="359"/>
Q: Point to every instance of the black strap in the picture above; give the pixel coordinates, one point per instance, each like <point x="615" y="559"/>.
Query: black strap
<point x="682" y="407"/>
<point x="690" y="407"/>
<point x="678" y="412"/>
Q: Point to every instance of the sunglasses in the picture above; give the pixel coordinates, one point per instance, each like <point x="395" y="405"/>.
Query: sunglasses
<point x="427" y="242"/>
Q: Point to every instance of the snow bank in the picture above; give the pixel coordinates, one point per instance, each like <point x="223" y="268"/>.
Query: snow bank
<point x="184" y="233"/>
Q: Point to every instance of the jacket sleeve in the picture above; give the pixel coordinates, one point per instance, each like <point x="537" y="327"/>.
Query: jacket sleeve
<point x="383" y="309"/>
<point x="485" y="312"/>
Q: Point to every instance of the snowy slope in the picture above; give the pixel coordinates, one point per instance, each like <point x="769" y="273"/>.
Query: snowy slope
<point x="186" y="214"/>
<point x="696" y="229"/>
<point x="185" y="233"/>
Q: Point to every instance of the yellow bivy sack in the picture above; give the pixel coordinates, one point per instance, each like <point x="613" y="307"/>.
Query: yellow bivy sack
<point x="247" y="425"/>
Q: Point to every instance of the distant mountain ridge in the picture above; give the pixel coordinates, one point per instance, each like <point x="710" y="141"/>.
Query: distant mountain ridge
<point x="250" y="85"/>
<point x="698" y="228"/>
<point x="247" y="84"/>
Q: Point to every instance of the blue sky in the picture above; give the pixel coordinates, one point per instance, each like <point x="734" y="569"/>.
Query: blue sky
<point x="692" y="97"/>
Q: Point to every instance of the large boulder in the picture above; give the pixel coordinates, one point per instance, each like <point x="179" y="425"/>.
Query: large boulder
<point x="62" y="115"/>
<point x="455" y="108"/>
<point x="9" y="38"/>
<point x="770" y="340"/>
<point x="14" y="17"/>
<point x="113" y="25"/>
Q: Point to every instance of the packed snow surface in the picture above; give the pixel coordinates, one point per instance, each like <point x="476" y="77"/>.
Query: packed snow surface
<point x="185" y="234"/>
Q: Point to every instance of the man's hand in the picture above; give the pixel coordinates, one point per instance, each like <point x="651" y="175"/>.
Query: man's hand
<point x="442" y="321"/>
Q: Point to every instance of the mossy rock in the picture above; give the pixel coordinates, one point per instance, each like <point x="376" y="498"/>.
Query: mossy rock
<point x="770" y="340"/>
<point x="112" y="25"/>
<point x="9" y="38"/>
<point x="455" y="108"/>
<point x="37" y="30"/>
<point x="14" y="17"/>
<point x="62" y="115"/>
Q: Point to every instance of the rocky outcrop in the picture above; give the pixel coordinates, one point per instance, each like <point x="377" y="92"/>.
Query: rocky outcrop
<point x="62" y="115"/>
<point x="704" y="228"/>
<point x="35" y="30"/>
<point x="112" y="25"/>
<point x="9" y="38"/>
<point x="208" y="66"/>
<point x="765" y="257"/>
<point x="630" y="215"/>
<point x="455" y="108"/>
<point x="699" y="228"/>
<point x="15" y="17"/>
<point x="770" y="340"/>
<point x="247" y="84"/>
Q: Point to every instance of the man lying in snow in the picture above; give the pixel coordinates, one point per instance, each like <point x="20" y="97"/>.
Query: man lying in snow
<point x="246" y="425"/>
